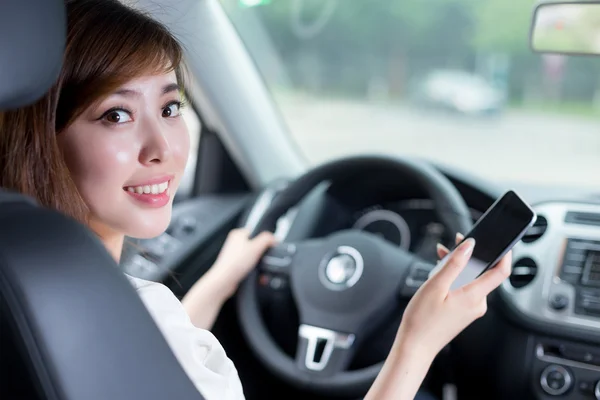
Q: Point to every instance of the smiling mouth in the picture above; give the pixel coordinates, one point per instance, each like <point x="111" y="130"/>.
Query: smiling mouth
<point x="155" y="189"/>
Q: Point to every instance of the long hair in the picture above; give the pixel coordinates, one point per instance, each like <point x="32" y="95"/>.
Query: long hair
<point x="108" y="44"/>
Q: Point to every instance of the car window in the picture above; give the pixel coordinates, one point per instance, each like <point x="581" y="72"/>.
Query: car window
<point x="453" y="81"/>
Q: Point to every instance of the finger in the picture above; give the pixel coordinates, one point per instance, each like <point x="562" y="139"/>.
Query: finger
<point x="491" y="278"/>
<point x="240" y="232"/>
<point x="442" y="251"/>
<point x="264" y="240"/>
<point x="455" y="263"/>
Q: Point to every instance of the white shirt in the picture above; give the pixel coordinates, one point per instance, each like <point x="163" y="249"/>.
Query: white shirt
<point x="198" y="351"/>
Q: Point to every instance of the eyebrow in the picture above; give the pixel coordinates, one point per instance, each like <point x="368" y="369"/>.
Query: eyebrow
<point x="171" y="87"/>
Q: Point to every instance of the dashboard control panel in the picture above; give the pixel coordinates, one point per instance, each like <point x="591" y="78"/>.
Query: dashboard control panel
<point x="565" y="370"/>
<point x="581" y="268"/>
<point x="556" y="380"/>
<point x="565" y="290"/>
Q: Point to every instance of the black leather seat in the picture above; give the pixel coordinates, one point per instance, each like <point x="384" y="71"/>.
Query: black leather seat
<point x="71" y="325"/>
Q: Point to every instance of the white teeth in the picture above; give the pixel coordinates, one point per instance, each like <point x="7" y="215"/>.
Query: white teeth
<point x="149" y="189"/>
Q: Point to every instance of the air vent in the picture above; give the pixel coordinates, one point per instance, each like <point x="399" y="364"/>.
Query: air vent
<point x="537" y="230"/>
<point x="523" y="272"/>
<point x="582" y="218"/>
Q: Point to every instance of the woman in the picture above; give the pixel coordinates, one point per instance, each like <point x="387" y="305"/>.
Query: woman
<point x="107" y="146"/>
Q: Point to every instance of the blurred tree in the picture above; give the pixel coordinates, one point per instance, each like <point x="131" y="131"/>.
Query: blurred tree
<point x="364" y="39"/>
<point x="349" y="46"/>
<point x="502" y="25"/>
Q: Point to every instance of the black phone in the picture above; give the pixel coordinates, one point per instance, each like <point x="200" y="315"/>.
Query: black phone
<point x="495" y="233"/>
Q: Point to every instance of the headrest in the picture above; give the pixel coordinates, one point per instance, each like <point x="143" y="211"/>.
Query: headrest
<point x="32" y="42"/>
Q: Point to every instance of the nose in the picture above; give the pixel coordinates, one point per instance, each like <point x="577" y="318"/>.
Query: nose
<point x="156" y="148"/>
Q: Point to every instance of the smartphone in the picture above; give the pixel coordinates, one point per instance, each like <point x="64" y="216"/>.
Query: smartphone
<point x="495" y="233"/>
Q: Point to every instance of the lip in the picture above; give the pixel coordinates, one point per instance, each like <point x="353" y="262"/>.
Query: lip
<point x="152" y="181"/>
<point x="149" y="199"/>
<point x="152" y="200"/>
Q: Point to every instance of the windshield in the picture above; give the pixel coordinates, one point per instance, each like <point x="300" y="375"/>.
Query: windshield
<point x="452" y="81"/>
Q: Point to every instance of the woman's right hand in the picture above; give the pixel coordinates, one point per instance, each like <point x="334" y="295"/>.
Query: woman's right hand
<point x="435" y="315"/>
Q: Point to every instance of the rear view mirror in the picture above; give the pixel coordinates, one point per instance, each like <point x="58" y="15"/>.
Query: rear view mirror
<point x="566" y="28"/>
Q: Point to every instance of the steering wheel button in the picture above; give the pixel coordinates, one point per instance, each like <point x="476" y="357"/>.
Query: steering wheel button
<point x="290" y="248"/>
<point x="277" y="283"/>
<point x="275" y="265"/>
<point x="278" y="259"/>
<point x="421" y="275"/>
<point x="283" y="250"/>
<point x="418" y="274"/>
<point x="263" y="280"/>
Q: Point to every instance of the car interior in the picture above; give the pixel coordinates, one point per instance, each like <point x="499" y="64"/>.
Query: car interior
<point x="325" y="174"/>
<point x="68" y="318"/>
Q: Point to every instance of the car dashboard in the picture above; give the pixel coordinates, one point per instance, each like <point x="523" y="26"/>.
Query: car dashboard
<point x="551" y="301"/>
<point x="561" y="296"/>
<point x="542" y="330"/>
<point x="410" y="224"/>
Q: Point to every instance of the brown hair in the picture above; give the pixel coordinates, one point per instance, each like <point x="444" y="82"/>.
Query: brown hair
<point x="108" y="44"/>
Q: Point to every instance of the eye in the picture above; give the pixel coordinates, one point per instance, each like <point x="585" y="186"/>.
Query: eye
<point x="117" y="116"/>
<point x="172" y="109"/>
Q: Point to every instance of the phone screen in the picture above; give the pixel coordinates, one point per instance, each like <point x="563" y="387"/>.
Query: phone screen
<point x="495" y="233"/>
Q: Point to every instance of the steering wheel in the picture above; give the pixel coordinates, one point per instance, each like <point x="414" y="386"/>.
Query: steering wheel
<point x="343" y="285"/>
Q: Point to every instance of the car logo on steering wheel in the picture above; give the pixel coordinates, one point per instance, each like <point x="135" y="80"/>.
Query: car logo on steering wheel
<point x="342" y="270"/>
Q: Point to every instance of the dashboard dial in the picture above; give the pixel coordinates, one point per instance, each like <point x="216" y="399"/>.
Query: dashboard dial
<point x="426" y="227"/>
<point x="387" y="224"/>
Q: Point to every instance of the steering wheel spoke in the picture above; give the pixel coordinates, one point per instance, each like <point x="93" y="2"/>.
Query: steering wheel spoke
<point x="323" y="351"/>
<point x="279" y="259"/>
<point x="275" y="267"/>
<point x="416" y="269"/>
<point x="416" y="277"/>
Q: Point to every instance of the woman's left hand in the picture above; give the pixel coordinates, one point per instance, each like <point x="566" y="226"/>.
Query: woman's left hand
<point x="239" y="255"/>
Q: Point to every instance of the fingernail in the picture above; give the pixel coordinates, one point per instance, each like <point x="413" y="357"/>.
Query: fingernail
<point x="459" y="236"/>
<point x="440" y="247"/>
<point x="467" y="247"/>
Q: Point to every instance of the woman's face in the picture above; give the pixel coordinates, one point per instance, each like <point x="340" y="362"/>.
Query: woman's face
<point x="127" y="154"/>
